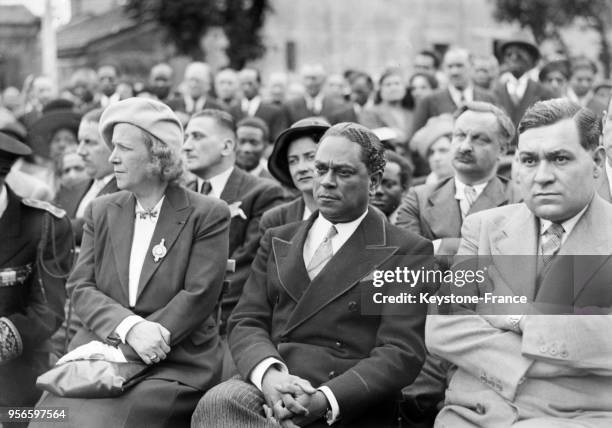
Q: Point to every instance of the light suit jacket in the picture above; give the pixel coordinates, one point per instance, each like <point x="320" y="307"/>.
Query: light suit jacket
<point x="493" y="384"/>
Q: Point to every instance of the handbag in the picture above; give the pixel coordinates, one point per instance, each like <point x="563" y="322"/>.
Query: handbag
<point x="91" y="378"/>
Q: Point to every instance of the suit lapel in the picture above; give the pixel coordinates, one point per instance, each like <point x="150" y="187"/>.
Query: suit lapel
<point x="514" y="244"/>
<point x="443" y="213"/>
<point x="111" y="187"/>
<point x="121" y="228"/>
<point x="172" y="218"/>
<point x="289" y="259"/>
<point x="232" y="187"/>
<point x="361" y="254"/>
<point x="493" y="195"/>
<point x="591" y="237"/>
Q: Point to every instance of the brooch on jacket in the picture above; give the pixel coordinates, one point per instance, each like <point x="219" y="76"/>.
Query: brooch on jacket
<point x="159" y="251"/>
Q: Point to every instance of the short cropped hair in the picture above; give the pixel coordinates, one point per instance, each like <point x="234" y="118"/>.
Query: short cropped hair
<point x="506" y="127"/>
<point x="222" y="118"/>
<point x="549" y="112"/>
<point x="255" y="122"/>
<point x="405" y="167"/>
<point x="165" y="162"/>
<point x="372" y="150"/>
<point x="93" y="115"/>
<point x="434" y="56"/>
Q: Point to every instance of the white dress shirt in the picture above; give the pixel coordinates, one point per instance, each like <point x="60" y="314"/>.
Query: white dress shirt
<point x="463" y="203"/>
<point x="315" y="237"/>
<point x="307" y="213"/>
<point x="3" y="200"/>
<point x="609" y="174"/>
<point x="249" y="107"/>
<point x="457" y="95"/>
<point x="460" y="194"/>
<point x="95" y="188"/>
<point x="143" y="233"/>
<point x="194" y="106"/>
<point x="568" y="226"/>
<point x="261" y="166"/>
<point x="314" y="104"/>
<point x="516" y="87"/>
<point x="217" y="183"/>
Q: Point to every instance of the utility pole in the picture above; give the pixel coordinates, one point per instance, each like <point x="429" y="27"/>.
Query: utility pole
<point x="48" y="43"/>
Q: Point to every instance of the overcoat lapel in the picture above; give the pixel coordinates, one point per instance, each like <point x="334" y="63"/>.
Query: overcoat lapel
<point x="172" y="218"/>
<point x="289" y="259"/>
<point x="361" y="254"/>
<point x="493" y="195"/>
<point x="232" y="187"/>
<point x="121" y="227"/>
<point x="443" y="213"/>
<point x="514" y="248"/>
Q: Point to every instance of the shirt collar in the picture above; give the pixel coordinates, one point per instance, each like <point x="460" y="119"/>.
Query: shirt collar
<point x="468" y="93"/>
<point x="322" y="225"/>
<point x="3" y="199"/>
<point x="104" y="180"/>
<point x="261" y="166"/>
<point x="217" y="183"/>
<point x="609" y="173"/>
<point x="568" y="225"/>
<point x="460" y="188"/>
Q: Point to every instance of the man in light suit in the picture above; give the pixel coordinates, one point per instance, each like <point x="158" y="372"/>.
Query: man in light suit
<point x="314" y="102"/>
<point x="458" y="68"/>
<point x="210" y="153"/>
<point x="528" y="370"/>
<point x="481" y="134"/>
<point x="300" y="320"/>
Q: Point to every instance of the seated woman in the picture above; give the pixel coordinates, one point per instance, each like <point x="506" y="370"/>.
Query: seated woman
<point x="292" y="164"/>
<point x="149" y="275"/>
<point x="393" y="106"/>
<point x="433" y="143"/>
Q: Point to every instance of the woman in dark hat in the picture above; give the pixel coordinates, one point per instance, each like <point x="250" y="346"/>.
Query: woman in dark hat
<point x="292" y="163"/>
<point x="49" y="136"/>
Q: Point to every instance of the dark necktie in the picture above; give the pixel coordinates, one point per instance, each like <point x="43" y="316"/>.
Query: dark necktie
<point x="206" y="187"/>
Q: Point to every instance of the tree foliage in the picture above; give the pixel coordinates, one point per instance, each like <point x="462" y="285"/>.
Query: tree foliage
<point x="186" y="21"/>
<point x="545" y="17"/>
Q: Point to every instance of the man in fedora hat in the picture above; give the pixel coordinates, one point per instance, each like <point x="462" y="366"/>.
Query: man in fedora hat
<point x="515" y="89"/>
<point x="35" y="258"/>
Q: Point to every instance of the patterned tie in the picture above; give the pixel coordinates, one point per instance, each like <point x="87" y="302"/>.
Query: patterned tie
<point x="551" y="242"/>
<point x="322" y="255"/>
<point x="206" y="187"/>
<point x="470" y="197"/>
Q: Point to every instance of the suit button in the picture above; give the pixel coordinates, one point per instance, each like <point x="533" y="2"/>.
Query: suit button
<point x="338" y="344"/>
<point x="352" y="306"/>
<point x="564" y="354"/>
<point x="332" y="374"/>
<point x="543" y="349"/>
<point x="480" y="409"/>
<point x="553" y="350"/>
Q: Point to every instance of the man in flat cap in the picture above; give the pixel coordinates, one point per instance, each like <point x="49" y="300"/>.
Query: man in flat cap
<point x="516" y="90"/>
<point x="35" y="259"/>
